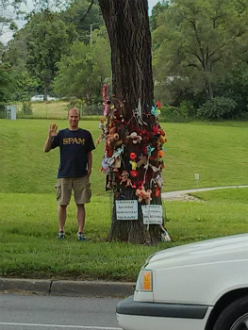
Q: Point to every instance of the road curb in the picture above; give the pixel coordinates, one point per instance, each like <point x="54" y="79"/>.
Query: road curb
<point x="67" y="288"/>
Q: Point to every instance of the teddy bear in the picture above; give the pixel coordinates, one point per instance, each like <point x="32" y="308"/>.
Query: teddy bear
<point x="113" y="141"/>
<point x="125" y="179"/>
<point x="135" y="137"/>
<point x="143" y="195"/>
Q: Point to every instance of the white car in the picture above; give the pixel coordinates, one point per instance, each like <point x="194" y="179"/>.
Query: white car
<point x="198" y="286"/>
<point x="36" y="98"/>
<point x="52" y="98"/>
<point x="41" y="98"/>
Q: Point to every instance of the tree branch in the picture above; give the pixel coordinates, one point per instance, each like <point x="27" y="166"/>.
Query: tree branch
<point x="87" y="12"/>
<point x="192" y="64"/>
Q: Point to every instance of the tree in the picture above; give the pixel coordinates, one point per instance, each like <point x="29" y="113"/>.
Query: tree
<point x="132" y="123"/>
<point x="7" y="83"/>
<point x="197" y="40"/>
<point x="47" y="39"/>
<point x="81" y="73"/>
<point x="85" y="16"/>
<point x="156" y="11"/>
<point x="7" y="22"/>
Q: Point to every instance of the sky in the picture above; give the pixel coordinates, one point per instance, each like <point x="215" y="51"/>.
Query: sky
<point x="151" y="3"/>
<point x="29" y="6"/>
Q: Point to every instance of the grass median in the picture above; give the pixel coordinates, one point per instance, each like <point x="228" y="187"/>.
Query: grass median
<point x="28" y="208"/>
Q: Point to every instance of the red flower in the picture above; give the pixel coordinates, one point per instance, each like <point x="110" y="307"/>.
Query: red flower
<point x="155" y="130"/>
<point x="157" y="192"/>
<point x="133" y="173"/>
<point x="158" y="104"/>
<point x="162" y="132"/>
<point x="133" y="156"/>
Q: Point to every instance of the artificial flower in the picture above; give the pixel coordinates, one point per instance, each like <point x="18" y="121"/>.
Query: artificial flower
<point x="132" y="155"/>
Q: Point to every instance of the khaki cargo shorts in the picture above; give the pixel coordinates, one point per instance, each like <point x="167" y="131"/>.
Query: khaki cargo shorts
<point x="80" y="186"/>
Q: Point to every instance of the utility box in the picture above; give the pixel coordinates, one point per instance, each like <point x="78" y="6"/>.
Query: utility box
<point x="11" y="112"/>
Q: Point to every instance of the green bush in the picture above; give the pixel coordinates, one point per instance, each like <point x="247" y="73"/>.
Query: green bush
<point x="27" y="108"/>
<point x="174" y="114"/>
<point x="217" y="108"/>
<point x="2" y="111"/>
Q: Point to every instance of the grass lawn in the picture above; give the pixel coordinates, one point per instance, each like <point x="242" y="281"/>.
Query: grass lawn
<point x="218" y="152"/>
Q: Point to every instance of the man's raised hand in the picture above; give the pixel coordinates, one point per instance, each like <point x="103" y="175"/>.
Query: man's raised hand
<point x="53" y="130"/>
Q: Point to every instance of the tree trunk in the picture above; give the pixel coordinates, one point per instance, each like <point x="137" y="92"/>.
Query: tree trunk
<point x="127" y="24"/>
<point x="210" y="93"/>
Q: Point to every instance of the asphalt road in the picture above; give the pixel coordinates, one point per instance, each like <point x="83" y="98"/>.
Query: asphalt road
<point x="24" y="312"/>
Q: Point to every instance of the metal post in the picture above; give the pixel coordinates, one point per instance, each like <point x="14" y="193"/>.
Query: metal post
<point x="197" y="179"/>
<point x="91" y="28"/>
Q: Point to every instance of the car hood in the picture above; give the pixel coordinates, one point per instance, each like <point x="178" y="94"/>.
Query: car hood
<point x="214" y="250"/>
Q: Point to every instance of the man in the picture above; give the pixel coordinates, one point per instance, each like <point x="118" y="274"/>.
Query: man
<point x="76" y="145"/>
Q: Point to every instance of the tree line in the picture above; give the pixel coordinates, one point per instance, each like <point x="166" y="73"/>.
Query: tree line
<point x="199" y="48"/>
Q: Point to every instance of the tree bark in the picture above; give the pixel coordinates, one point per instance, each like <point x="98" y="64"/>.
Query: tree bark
<point x="128" y="28"/>
<point x="127" y="24"/>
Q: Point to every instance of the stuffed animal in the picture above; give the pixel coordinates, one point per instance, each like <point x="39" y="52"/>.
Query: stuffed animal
<point x="143" y="195"/>
<point x="135" y="138"/>
<point x="125" y="179"/>
<point x="113" y="141"/>
<point x="162" y="139"/>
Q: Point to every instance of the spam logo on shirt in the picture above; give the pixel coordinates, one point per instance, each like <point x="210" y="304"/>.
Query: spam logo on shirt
<point x="73" y="141"/>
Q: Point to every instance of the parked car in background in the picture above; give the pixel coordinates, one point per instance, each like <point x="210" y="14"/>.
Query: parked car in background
<point x="36" y="98"/>
<point x="40" y="97"/>
<point x="52" y="98"/>
<point x="198" y="286"/>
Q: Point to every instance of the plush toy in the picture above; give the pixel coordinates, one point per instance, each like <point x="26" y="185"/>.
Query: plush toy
<point x="142" y="161"/>
<point x="134" y="165"/>
<point x="143" y="195"/>
<point x="135" y="138"/>
<point x="162" y="139"/>
<point x="125" y="179"/>
<point x="113" y="141"/>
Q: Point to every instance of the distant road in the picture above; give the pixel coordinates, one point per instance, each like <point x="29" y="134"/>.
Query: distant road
<point x="172" y="194"/>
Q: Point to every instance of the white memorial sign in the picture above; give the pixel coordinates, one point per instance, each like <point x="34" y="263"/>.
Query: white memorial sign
<point x="127" y="210"/>
<point x="152" y="214"/>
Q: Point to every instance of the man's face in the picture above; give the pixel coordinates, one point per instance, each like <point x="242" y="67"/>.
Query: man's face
<point x="73" y="118"/>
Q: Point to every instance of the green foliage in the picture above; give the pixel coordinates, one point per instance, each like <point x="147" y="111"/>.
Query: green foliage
<point x="81" y="73"/>
<point x="173" y="114"/>
<point x="234" y="85"/>
<point x="84" y="25"/>
<point x="7" y="83"/>
<point x="48" y="38"/>
<point x="2" y="111"/>
<point x="218" y="107"/>
<point x="156" y="11"/>
<point x="6" y="18"/>
<point x="27" y="108"/>
<point x="196" y="41"/>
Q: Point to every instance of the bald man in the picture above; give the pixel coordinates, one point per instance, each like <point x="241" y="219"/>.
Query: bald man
<point x="76" y="145"/>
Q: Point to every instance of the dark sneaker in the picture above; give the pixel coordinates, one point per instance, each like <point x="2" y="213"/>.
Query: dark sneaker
<point x="81" y="237"/>
<point x="61" y="235"/>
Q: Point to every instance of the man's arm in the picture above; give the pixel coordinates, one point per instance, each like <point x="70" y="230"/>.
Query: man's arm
<point x="89" y="162"/>
<point x="48" y="144"/>
<point x="51" y="133"/>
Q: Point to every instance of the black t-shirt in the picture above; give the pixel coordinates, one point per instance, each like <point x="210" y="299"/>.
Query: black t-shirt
<point x="74" y="149"/>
